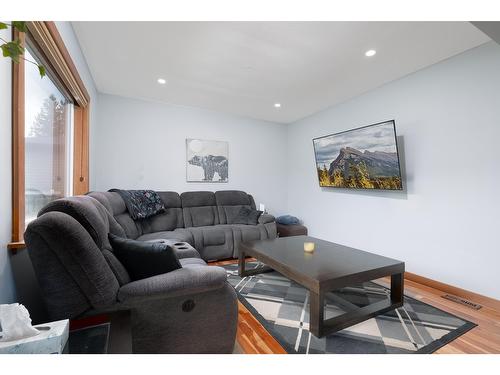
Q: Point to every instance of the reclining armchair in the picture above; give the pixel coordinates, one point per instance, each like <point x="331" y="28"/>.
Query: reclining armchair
<point x="190" y="310"/>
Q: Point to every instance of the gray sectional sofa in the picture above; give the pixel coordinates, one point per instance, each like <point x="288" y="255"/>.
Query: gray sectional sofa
<point x="201" y="218"/>
<point x="80" y="276"/>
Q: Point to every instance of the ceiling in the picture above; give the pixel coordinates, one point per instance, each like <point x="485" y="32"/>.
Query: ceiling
<point x="245" y="67"/>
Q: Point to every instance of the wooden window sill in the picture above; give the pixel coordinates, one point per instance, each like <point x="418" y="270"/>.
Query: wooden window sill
<point x="15" y="246"/>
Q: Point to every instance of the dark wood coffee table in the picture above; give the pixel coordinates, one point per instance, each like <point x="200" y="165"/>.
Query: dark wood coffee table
<point x="331" y="266"/>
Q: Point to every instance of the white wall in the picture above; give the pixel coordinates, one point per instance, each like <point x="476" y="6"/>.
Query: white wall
<point x="141" y="144"/>
<point x="446" y="224"/>
<point x="7" y="289"/>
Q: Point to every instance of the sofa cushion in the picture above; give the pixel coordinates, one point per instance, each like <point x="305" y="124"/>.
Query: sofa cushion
<point x="170" y="219"/>
<point x="144" y="259"/>
<point x="200" y="216"/>
<point x="228" y="214"/>
<point x="198" y="199"/>
<point x="179" y="234"/>
<point x="244" y="233"/>
<point x="247" y="216"/>
<point x="78" y="253"/>
<point x="141" y="204"/>
<point x="91" y="215"/>
<point x="116" y="206"/>
<point x="230" y="202"/>
<point x="209" y="235"/>
<point x="232" y="198"/>
<point x="266" y="218"/>
<point x="192" y="262"/>
<point x="199" y="209"/>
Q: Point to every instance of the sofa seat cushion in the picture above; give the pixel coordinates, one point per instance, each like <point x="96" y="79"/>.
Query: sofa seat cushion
<point x="192" y="262"/>
<point x="179" y="234"/>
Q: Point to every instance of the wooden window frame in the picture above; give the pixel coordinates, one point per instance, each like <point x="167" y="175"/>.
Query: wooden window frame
<point x="47" y="41"/>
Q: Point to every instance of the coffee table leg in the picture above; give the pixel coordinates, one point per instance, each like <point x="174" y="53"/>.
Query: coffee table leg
<point x="241" y="264"/>
<point x="397" y="288"/>
<point x="320" y="327"/>
<point x="316" y="313"/>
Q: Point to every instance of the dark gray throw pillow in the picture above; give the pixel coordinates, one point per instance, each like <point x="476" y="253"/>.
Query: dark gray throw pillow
<point x="247" y="216"/>
<point x="144" y="259"/>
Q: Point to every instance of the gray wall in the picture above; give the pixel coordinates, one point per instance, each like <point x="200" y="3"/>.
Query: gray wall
<point x="141" y="144"/>
<point x="445" y="224"/>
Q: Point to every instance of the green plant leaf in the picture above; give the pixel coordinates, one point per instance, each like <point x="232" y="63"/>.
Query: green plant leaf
<point x="3" y="25"/>
<point x="13" y="50"/>
<point x="20" y="25"/>
<point x="42" y="71"/>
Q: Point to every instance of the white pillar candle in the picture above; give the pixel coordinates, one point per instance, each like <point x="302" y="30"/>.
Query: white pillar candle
<point x="309" y="247"/>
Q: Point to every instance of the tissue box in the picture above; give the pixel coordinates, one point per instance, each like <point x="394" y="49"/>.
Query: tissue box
<point x="51" y="340"/>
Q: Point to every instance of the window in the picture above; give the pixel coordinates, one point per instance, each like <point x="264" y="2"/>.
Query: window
<point x="48" y="136"/>
<point x="49" y="127"/>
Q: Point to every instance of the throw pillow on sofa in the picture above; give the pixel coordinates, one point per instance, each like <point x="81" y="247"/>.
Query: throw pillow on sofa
<point x="287" y="220"/>
<point x="247" y="216"/>
<point x="144" y="259"/>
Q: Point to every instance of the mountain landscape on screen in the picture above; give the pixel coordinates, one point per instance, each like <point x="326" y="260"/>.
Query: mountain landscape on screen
<point x="364" y="158"/>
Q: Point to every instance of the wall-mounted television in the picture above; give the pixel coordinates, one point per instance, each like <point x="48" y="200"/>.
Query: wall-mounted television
<point x="361" y="158"/>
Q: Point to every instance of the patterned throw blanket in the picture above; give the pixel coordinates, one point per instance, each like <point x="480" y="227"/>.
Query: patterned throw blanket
<point x="141" y="204"/>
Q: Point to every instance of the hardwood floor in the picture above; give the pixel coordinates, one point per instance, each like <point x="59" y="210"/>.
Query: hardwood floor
<point x="253" y="338"/>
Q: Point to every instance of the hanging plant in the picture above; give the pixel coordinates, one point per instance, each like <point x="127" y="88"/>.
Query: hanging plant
<point x="15" y="49"/>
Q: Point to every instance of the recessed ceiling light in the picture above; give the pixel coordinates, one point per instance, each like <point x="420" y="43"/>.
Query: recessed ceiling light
<point x="277" y="105"/>
<point x="162" y="81"/>
<point x="370" y="53"/>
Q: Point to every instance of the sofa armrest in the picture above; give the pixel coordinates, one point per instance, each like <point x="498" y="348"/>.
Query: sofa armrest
<point x="186" y="253"/>
<point x="266" y="218"/>
<point x="183" y="281"/>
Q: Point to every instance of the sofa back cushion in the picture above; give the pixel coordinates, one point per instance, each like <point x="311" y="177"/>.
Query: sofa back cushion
<point x="230" y="202"/>
<point x="91" y="214"/>
<point x="61" y="239"/>
<point x="116" y="206"/>
<point x="168" y="220"/>
<point x="97" y="221"/>
<point x="199" y="209"/>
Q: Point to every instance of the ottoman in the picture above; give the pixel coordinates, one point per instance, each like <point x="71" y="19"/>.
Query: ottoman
<point x="291" y="230"/>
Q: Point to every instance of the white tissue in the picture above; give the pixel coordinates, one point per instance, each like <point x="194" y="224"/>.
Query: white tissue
<point x="16" y="323"/>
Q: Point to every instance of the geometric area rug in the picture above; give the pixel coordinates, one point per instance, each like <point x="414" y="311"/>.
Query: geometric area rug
<point x="281" y="306"/>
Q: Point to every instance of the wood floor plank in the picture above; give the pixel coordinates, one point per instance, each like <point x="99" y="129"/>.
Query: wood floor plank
<point x="253" y="338"/>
